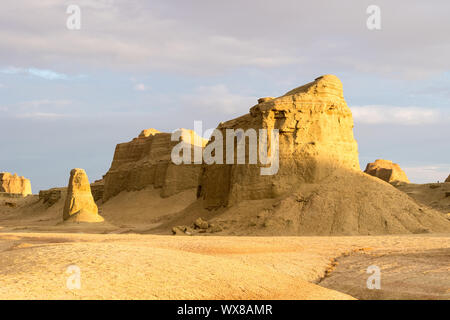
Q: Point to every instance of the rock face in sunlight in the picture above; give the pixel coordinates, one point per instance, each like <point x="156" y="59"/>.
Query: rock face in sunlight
<point x="448" y="179"/>
<point x="387" y="170"/>
<point x="146" y="161"/>
<point x="13" y="184"/>
<point x="80" y="205"/>
<point x="315" y="137"/>
<point x="318" y="189"/>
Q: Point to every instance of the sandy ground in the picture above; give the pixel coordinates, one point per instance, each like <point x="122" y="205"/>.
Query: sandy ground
<point x="409" y="274"/>
<point x="434" y="195"/>
<point x="133" y="266"/>
<point x="119" y="260"/>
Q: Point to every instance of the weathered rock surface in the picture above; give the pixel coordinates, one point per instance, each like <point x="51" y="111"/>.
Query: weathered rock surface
<point x="14" y="184"/>
<point x="80" y="205"/>
<point x="448" y="179"/>
<point x="319" y="188"/>
<point x="199" y="226"/>
<point x="386" y="170"/>
<point x="316" y="137"/>
<point x="146" y="161"/>
<point x="51" y="196"/>
<point x="97" y="189"/>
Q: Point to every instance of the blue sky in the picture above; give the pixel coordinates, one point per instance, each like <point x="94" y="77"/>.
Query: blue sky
<point x="69" y="96"/>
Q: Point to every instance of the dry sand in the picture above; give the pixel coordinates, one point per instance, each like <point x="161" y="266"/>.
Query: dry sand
<point x="117" y="261"/>
<point x="131" y="266"/>
<point x="434" y="195"/>
<point x="405" y="274"/>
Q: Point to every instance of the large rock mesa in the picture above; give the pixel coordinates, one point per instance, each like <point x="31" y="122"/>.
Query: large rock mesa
<point x="315" y="138"/>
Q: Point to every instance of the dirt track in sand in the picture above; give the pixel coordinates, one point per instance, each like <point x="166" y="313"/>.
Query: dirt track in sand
<point x="131" y="266"/>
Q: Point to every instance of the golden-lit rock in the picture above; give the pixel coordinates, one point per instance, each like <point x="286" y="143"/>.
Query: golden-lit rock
<point x="146" y="161"/>
<point x="80" y="205"/>
<point x="448" y="179"/>
<point x="315" y="137"/>
<point x="13" y="184"/>
<point x="387" y="170"/>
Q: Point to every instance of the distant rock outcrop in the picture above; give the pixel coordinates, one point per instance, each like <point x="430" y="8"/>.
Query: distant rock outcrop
<point x="387" y="170"/>
<point x="316" y="137"/>
<point x="14" y="184"/>
<point x="146" y="161"/>
<point x="80" y="205"/>
<point x="51" y="196"/>
<point x="448" y="179"/>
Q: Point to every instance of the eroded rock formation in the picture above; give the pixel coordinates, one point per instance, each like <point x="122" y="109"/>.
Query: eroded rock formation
<point x="97" y="189"/>
<point x="51" y="196"/>
<point x="315" y="137"/>
<point x="448" y="179"/>
<point x="13" y="184"/>
<point x="80" y="205"/>
<point x="146" y="161"/>
<point x="386" y="170"/>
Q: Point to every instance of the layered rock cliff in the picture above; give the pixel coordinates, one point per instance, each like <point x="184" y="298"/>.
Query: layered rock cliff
<point x="13" y="184"/>
<point x="146" y="161"/>
<point x="315" y="137"/>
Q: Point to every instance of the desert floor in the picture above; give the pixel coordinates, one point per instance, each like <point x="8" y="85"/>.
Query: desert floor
<point x="134" y="266"/>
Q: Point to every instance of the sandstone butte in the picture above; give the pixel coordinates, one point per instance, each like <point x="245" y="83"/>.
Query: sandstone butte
<point x="80" y="205"/>
<point x="386" y="170"/>
<point x="448" y="179"/>
<point x="146" y="161"/>
<point x="319" y="188"/>
<point x="14" y="184"/>
<point x="316" y="137"/>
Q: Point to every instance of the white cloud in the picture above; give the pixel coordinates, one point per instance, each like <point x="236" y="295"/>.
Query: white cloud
<point x="41" y="115"/>
<point x="206" y="37"/>
<point x="43" y="103"/>
<point x="37" y="109"/>
<point x="41" y="73"/>
<point x="140" y="87"/>
<point x="381" y="114"/>
<point x="218" y="98"/>
<point x="428" y="174"/>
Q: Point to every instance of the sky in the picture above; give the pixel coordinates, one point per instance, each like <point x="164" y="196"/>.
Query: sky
<point x="67" y="97"/>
